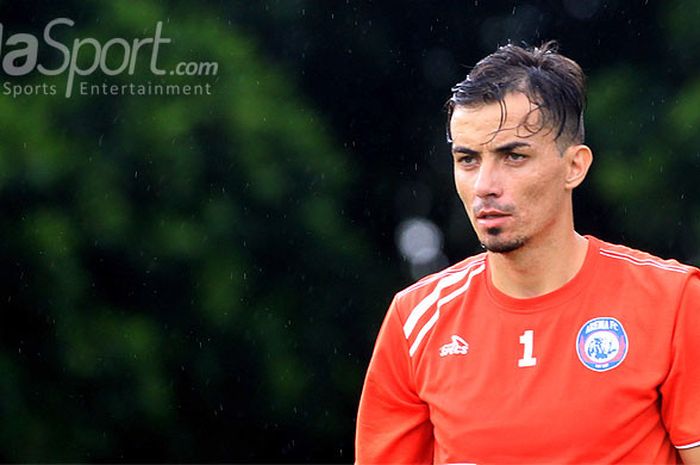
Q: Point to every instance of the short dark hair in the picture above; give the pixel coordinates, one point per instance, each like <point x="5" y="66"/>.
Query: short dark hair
<point x="554" y="83"/>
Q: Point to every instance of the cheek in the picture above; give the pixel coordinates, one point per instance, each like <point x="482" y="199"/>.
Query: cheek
<point x="465" y="193"/>
<point x="462" y="184"/>
<point x="542" y="198"/>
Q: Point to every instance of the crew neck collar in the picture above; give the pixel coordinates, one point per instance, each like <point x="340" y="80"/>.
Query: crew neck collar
<point x="551" y="299"/>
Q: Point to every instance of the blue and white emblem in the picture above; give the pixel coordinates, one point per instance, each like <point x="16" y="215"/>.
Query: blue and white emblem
<point x="602" y="344"/>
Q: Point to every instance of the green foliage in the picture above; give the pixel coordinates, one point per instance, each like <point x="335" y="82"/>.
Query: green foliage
<point x="170" y="253"/>
<point x="642" y="124"/>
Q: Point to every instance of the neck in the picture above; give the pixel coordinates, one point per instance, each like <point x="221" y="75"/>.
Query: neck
<point x="538" y="268"/>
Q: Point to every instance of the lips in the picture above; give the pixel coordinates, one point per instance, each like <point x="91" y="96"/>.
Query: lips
<point x="489" y="214"/>
<point x="492" y="218"/>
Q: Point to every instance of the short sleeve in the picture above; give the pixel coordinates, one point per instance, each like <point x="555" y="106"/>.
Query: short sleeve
<point x="393" y="423"/>
<point x="680" y="392"/>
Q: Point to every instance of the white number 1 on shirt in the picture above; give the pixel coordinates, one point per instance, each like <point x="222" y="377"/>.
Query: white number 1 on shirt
<point x="526" y="339"/>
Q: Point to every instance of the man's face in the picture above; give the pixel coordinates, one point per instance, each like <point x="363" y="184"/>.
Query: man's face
<point x="511" y="181"/>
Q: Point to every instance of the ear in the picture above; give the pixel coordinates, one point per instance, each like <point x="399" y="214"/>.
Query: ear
<point x="578" y="160"/>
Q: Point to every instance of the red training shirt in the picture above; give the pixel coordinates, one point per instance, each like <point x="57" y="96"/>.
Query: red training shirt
<point x="605" y="369"/>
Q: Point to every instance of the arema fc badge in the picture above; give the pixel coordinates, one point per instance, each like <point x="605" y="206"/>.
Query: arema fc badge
<point x="602" y="344"/>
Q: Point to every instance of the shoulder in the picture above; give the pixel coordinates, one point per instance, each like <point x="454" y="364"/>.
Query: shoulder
<point x="619" y="263"/>
<point x="434" y="283"/>
<point x="623" y="257"/>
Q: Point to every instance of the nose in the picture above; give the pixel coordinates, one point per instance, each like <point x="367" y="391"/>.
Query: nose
<point x="488" y="180"/>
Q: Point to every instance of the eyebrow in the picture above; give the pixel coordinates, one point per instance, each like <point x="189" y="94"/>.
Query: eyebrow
<point x="465" y="150"/>
<point x="509" y="147"/>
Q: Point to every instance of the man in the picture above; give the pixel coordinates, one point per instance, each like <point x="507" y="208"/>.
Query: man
<point x="550" y="347"/>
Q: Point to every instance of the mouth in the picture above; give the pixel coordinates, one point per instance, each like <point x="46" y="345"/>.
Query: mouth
<point x="492" y="218"/>
<point x="490" y="214"/>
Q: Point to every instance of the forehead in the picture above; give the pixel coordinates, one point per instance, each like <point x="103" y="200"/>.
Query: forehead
<point x="516" y="118"/>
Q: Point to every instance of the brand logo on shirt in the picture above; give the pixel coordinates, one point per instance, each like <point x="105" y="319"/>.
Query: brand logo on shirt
<point x="602" y="344"/>
<point x="458" y="346"/>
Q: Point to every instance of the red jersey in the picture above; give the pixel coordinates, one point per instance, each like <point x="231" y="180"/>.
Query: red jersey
<point x="605" y="369"/>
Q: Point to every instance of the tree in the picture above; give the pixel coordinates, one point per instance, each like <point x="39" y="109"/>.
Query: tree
<point x="181" y="280"/>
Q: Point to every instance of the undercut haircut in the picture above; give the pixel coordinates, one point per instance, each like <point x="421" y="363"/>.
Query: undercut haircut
<point x="554" y="84"/>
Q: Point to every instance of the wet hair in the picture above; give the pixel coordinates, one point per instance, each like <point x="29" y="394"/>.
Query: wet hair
<point x="554" y="84"/>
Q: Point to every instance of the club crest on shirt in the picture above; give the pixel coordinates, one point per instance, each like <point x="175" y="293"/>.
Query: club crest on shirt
<point x="602" y="343"/>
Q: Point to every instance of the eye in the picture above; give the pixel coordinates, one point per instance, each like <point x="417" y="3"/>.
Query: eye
<point x="515" y="157"/>
<point x="467" y="160"/>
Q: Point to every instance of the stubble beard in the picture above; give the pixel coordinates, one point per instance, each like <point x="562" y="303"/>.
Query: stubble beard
<point x="494" y="244"/>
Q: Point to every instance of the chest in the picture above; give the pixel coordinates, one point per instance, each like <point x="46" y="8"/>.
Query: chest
<point x="588" y="368"/>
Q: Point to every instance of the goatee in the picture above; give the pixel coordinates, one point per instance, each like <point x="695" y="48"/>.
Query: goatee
<point x="496" y="245"/>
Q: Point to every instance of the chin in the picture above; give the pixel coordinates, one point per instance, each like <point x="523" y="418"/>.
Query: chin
<point x="493" y="243"/>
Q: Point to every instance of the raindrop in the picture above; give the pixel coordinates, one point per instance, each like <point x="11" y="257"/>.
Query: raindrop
<point x="440" y="67"/>
<point x="581" y="10"/>
<point x="521" y="25"/>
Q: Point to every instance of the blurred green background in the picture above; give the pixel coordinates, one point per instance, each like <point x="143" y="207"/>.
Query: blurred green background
<point x="201" y="278"/>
